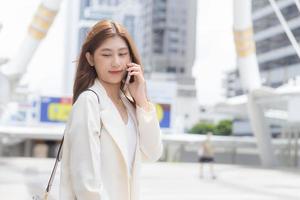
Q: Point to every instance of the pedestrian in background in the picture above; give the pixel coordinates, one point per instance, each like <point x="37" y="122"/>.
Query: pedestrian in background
<point x="206" y="156"/>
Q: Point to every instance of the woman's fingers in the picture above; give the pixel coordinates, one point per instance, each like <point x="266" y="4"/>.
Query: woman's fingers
<point x="133" y="66"/>
<point x="134" y="69"/>
<point x="134" y="73"/>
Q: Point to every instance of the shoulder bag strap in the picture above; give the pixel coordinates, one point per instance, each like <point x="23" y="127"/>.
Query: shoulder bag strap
<point x="59" y="155"/>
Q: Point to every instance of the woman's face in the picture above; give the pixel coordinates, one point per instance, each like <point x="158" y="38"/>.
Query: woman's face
<point x="110" y="60"/>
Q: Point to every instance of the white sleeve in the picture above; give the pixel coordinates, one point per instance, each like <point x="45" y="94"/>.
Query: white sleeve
<point x="85" y="161"/>
<point x="150" y="134"/>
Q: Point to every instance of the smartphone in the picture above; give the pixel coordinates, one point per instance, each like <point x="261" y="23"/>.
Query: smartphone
<point x="129" y="79"/>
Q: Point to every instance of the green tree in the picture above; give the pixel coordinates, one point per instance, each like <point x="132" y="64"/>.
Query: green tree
<point x="224" y="127"/>
<point x="202" y="128"/>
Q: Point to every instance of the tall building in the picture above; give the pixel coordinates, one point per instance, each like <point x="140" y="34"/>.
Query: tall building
<point x="168" y="50"/>
<point x="169" y="29"/>
<point x="232" y="84"/>
<point x="277" y="59"/>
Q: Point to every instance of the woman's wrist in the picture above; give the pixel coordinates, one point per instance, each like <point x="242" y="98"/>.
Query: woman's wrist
<point x="144" y="104"/>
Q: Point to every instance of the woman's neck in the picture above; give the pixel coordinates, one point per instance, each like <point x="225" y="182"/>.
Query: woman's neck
<point x="112" y="90"/>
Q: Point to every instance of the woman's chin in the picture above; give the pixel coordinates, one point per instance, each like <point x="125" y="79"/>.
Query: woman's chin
<point x="113" y="81"/>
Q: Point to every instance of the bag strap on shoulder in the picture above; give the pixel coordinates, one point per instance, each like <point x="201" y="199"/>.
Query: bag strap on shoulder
<point x="95" y="94"/>
<point x="59" y="154"/>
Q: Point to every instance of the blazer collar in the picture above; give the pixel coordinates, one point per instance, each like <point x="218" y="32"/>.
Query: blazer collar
<point x="112" y="120"/>
<point x="107" y="103"/>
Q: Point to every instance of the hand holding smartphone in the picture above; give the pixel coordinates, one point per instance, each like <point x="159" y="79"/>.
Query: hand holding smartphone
<point x="128" y="79"/>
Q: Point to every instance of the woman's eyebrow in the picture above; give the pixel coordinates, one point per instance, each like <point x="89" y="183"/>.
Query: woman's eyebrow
<point x="120" y="49"/>
<point x="106" y="49"/>
<point x="123" y="48"/>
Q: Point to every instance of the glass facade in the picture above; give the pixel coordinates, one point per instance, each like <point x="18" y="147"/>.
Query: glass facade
<point x="277" y="69"/>
<point x="165" y="32"/>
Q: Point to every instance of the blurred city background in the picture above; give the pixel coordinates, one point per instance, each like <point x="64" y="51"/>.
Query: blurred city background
<point x="226" y="67"/>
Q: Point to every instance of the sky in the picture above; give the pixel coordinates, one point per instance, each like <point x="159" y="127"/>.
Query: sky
<point x="215" y="53"/>
<point x="214" y="47"/>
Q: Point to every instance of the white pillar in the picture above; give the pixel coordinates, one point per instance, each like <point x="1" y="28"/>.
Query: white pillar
<point x="250" y="78"/>
<point x="261" y="131"/>
<point x="71" y="43"/>
<point x="37" y="31"/>
<point x="245" y="46"/>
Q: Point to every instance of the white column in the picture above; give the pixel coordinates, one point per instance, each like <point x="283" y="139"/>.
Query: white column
<point x="37" y="31"/>
<point x="71" y="43"/>
<point x="250" y="78"/>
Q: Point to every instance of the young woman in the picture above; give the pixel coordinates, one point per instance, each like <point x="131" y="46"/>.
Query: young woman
<point x="105" y="144"/>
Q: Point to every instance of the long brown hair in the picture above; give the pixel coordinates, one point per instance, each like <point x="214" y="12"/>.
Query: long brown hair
<point x="85" y="74"/>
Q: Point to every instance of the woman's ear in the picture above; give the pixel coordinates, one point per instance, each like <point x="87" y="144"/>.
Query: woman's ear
<point x="89" y="58"/>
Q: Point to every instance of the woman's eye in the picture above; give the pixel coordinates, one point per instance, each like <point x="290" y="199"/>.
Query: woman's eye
<point x="106" y="55"/>
<point x="123" y="54"/>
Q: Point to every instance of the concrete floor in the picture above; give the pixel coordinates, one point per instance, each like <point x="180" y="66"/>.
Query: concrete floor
<point x="20" y="178"/>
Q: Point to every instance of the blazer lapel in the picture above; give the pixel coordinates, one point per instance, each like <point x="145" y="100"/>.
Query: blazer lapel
<point x="130" y="108"/>
<point x="112" y="120"/>
<point x="132" y="113"/>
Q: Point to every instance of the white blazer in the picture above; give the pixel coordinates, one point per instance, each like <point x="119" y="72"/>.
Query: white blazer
<point x="95" y="168"/>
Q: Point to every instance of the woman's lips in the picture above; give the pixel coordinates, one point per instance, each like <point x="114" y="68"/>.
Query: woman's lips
<point x="115" y="72"/>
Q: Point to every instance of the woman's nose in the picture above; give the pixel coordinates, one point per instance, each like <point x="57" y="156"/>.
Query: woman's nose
<point x="116" y="61"/>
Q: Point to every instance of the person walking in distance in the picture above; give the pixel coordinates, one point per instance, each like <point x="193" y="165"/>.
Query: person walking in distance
<point x="206" y="155"/>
